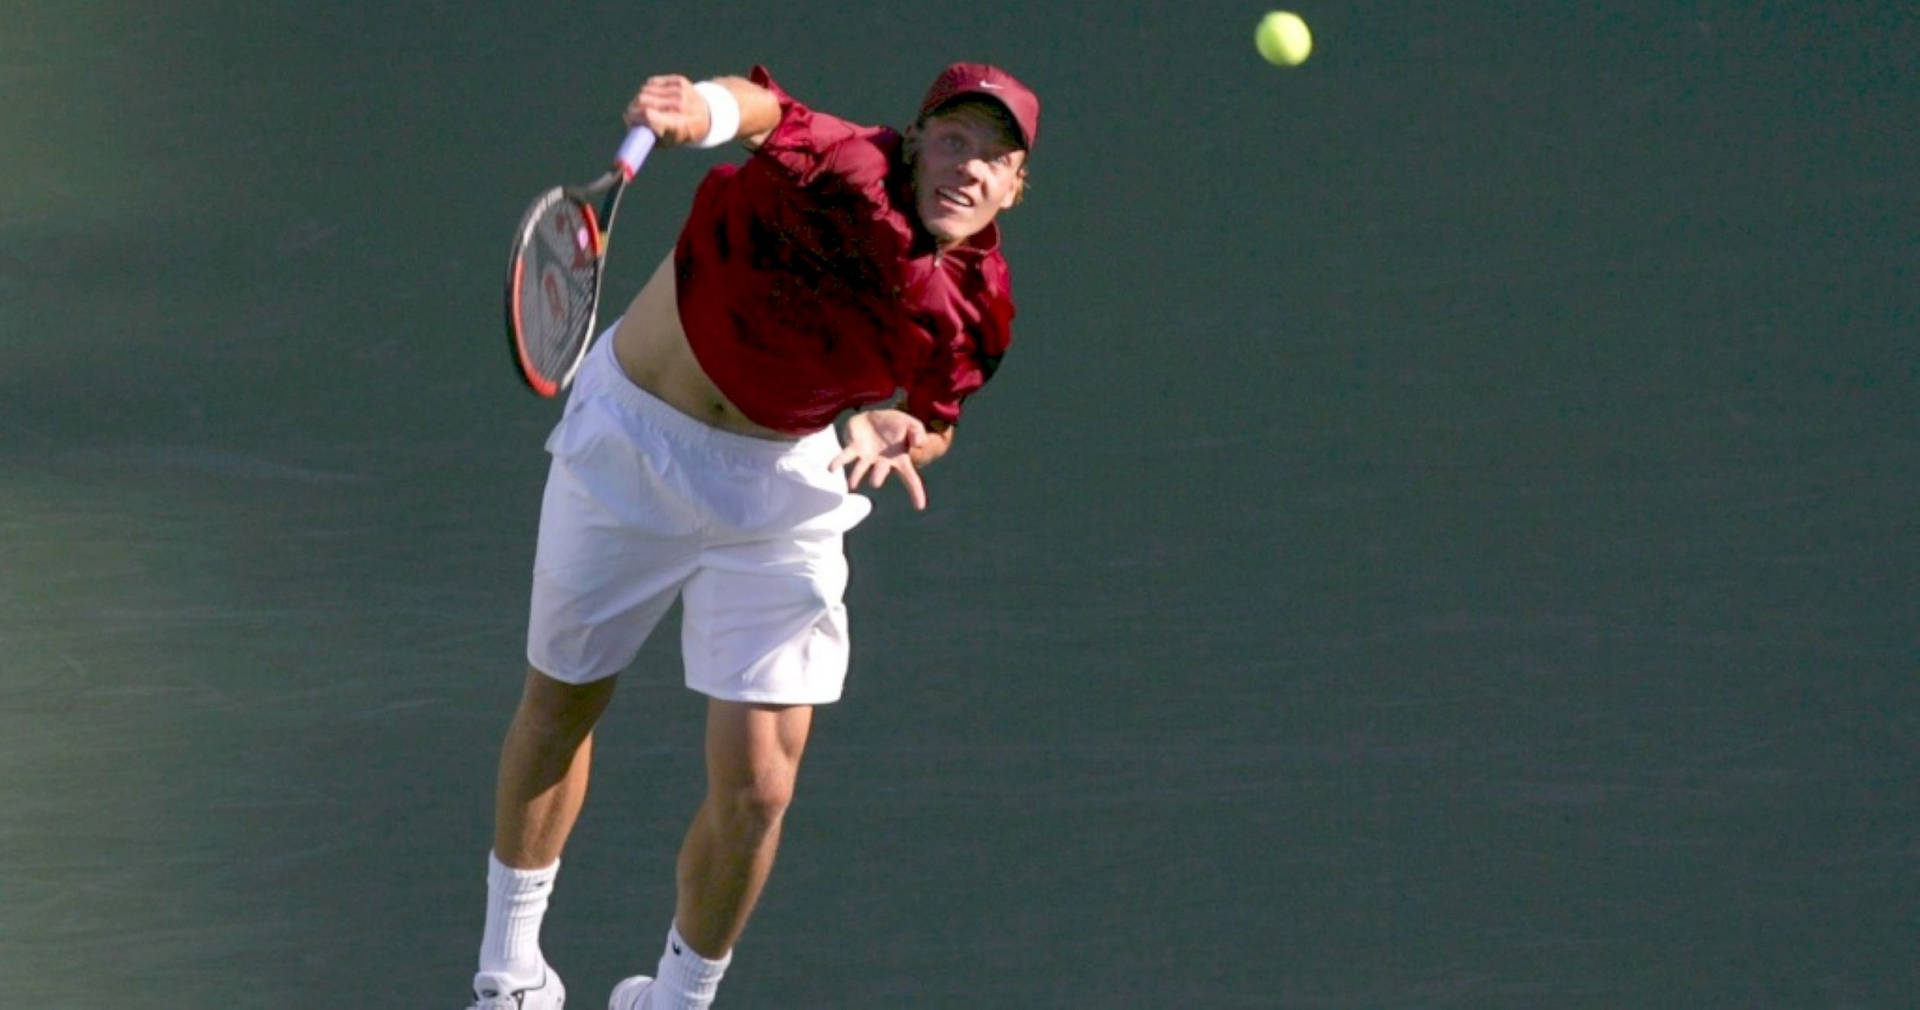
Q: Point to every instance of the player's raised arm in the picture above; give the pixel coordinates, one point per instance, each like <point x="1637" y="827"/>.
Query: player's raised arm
<point x="704" y="114"/>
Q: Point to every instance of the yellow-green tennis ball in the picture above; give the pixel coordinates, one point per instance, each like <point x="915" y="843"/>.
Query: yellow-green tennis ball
<point x="1283" y="39"/>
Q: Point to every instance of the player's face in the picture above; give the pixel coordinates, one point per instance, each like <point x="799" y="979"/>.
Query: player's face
<point x="967" y="169"/>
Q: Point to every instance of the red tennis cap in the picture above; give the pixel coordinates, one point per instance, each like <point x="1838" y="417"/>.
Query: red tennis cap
<point x="963" y="80"/>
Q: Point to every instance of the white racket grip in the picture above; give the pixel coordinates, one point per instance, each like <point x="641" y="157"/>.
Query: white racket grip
<point x="634" y="150"/>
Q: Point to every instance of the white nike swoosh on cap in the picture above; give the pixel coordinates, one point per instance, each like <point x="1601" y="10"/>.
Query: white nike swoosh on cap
<point x="988" y="84"/>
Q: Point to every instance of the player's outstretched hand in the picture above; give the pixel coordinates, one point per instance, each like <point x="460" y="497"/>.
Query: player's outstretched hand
<point x="879" y="442"/>
<point x="670" y="107"/>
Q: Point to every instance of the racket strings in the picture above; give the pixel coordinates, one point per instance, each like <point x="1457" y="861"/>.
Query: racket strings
<point x="558" y="279"/>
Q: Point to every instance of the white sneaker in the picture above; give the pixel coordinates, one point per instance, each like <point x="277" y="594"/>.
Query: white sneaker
<point x="490" y="992"/>
<point x="630" y="994"/>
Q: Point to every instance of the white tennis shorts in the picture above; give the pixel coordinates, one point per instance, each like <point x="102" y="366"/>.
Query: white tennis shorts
<point x="644" y="503"/>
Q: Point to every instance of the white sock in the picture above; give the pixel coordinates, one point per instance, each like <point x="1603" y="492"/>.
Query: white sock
<point x="686" y="981"/>
<point x="516" y="902"/>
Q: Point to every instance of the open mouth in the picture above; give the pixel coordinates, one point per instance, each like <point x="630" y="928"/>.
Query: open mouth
<point x="950" y="197"/>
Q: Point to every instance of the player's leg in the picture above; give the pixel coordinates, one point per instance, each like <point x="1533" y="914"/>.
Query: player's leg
<point x="766" y="641"/>
<point x="544" y="765"/>
<point x="753" y="762"/>
<point x="613" y="550"/>
<point x="764" y="637"/>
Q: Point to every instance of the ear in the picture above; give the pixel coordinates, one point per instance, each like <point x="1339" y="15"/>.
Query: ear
<point x="910" y="142"/>
<point x="1018" y="190"/>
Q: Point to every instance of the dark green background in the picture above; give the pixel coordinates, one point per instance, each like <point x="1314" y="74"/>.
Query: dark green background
<point x="1444" y="537"/>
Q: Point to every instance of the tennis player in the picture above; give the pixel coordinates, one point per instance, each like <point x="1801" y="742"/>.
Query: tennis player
<point x="841" y="274"/>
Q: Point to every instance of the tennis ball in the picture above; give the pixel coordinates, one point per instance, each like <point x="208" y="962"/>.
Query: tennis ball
<point x="1283" y="39"/>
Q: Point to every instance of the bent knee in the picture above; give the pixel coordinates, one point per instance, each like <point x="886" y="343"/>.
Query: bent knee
<point x="757" y="803"/>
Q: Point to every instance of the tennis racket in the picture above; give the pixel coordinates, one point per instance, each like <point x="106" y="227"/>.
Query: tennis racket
<point x="553" y="276"/>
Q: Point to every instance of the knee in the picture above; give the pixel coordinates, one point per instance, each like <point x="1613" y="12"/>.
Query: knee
<point x="757" y="804"/>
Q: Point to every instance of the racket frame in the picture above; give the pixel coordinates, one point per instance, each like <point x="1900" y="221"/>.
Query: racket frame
<point x="606" y="192"/>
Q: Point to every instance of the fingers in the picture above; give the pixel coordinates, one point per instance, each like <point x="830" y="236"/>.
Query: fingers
<point x="860" y="468"/>
<point x="670" y="107"/>
<point x="873" y="472"/>
<point x="916" y="491"/>
<point x="869" y="456"/>
<point x="652" y="97"/>
<point x="909" y="476"/>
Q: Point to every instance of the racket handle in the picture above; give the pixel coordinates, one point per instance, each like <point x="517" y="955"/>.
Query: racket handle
<point x="634" y="150"/>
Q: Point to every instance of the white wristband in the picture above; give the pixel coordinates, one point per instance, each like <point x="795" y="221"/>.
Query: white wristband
<point x="723" y="114"/>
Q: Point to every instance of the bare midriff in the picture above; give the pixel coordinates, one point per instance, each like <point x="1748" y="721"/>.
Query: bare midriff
<point x="652" y="349"/>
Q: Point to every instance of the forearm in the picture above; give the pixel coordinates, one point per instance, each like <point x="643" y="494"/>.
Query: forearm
<point x="759" y="110"/>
